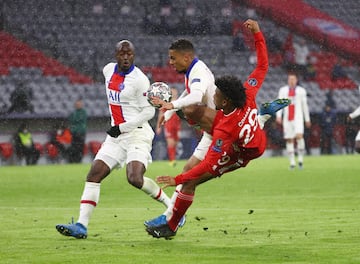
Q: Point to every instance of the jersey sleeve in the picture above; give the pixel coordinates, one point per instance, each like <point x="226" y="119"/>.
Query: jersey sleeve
<point x="257" y="77"/>
<point x="143" y="85"/>
<point x="355" y="113"/>
<point x="198" y="85"/>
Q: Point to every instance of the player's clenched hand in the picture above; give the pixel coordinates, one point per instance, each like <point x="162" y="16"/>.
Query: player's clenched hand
<point x="114" y="131"/>
<point x="166" y="181"/>
<point x="252" y="25"/>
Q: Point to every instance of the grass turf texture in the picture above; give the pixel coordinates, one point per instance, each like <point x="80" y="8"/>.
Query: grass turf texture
<point x="262" y="214"/>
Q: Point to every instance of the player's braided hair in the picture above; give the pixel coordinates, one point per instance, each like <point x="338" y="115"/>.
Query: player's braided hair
<point x="232" y="88"/>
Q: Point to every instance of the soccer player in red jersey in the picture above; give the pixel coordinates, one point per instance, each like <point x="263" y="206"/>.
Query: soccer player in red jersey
<point x="237" y="135"/>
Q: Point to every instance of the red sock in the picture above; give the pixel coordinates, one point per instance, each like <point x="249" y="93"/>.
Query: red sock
<point x="171" y="153"/>
<point x="182" y="203"/>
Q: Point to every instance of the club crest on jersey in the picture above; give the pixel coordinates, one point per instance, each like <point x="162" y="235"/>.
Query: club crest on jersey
<point x="121" y="86"/>
<point x="252" y="82"/>
<point x="218" y="144"/>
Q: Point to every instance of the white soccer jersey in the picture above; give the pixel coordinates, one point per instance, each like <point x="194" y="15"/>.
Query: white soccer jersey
<point x="126" y="97"/>
<point x="199" y="81"/>
<point x="355" y="114"/>
<point x="301" y="111"/>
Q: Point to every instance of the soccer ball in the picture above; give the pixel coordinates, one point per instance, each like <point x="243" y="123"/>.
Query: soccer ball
<point x="160" y="90"/>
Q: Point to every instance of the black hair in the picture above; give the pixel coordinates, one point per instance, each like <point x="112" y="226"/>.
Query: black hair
<point x="183" y="45"/>
<point x="232" y="88"/>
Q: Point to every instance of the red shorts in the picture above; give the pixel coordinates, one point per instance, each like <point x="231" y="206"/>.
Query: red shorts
<point x="237" y="159"/>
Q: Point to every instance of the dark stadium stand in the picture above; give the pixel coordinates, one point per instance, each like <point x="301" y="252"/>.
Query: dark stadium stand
<point x="58" y="48"/>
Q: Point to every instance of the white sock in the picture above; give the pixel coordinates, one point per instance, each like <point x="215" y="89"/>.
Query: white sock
<point x="262" y="119"/>
<point x="291" y="152"/>
<point x="89" y="200"/>
<point x="169" y="210"/>
<point x="152" y="189"/>
<point x="301" y="149"/>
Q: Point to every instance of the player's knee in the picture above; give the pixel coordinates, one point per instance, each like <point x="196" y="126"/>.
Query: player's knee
<point x="188" y="187"/>
<point x="135" y="180"/>
<point x="98" y="172"/>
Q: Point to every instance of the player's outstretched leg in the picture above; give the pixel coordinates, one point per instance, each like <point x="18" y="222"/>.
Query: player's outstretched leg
<point x="76" y="230"/>
<point x="274" y="106"/>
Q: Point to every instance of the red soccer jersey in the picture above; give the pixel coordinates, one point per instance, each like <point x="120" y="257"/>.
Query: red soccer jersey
<point x="237" y="137"/>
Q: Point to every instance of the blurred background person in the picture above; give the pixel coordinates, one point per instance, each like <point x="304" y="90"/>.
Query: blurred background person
<point x="20" y="100"/>
<point x="292" y="118"/>
<point x="24" y="145"/>
<point x="62" y="139"/>
<point x="78" y="125"/>
<point x="171" y="131"/>
<point x="327" y="124"/>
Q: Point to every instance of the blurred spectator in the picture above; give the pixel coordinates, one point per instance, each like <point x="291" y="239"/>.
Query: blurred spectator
<point x="98" y="8"/>
<point x="330" y="99"/>
<point x="24" y="145"/>
<point x="78" y="125"/>
<point x="310" y="71"/>
<point x="20" y="99"/>
<point x="338" y="71"/>
<point x="327" y="123"/>
<point x="276" y="140"/>
<point x="288" y="53"/>
<point x="273" y="43"/>
<point x="351" y="130"/>
<point x="238" y="42"/>
<point x="301" y="57"/>
<point x="62" y="139"/>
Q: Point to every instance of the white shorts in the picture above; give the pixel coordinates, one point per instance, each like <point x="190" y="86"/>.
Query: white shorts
<point x="133" y="146"/>
<point x="358" y="136"/>
<point x="292" y="128"/>
<point x="203" y="146"/>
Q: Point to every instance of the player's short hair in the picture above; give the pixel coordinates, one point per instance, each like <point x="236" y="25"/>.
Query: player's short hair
<point x="182" y="45"/>
<point x="232" y="88"/>
<point x="119" y="45"/>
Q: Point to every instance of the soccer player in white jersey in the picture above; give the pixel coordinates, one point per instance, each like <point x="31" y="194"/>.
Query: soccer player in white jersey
<point x="199" y="89"/>
<point x="293" y="117"/>
<point x="354" y="115"/>
<point x="129" y="141"/>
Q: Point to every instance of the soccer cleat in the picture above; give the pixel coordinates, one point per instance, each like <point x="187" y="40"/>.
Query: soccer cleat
<point x="301" y="166"/>
<point x="292" y="167"/>
<point x="161" y="231"/>
<point x="158" y="221"/>
<point x="274" y="106"/>
<point x="161" y="220"/>
<point x="75" y="230"/>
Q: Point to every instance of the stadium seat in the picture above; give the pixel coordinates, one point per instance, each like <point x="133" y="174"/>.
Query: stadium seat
<point x="6" y="151"/>
<point x="39" y="147"/>
<point x="94" y="147"/>
<point x="52" y="152"/>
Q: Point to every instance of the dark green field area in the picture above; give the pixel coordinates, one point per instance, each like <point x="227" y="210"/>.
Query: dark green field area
<point x="261" y="214"/>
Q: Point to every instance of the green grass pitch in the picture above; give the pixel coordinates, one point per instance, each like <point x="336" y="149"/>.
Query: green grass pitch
<point x="261" y="214"/>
